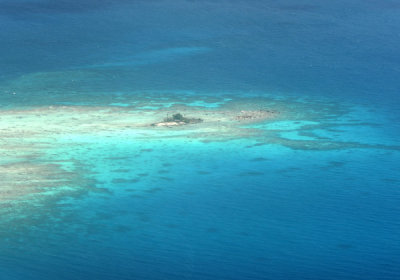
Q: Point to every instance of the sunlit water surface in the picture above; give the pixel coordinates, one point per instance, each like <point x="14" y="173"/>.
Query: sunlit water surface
<point x="90" y="190"/>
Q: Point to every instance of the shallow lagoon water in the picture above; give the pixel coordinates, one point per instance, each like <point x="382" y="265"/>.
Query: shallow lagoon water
<point x="168" y="201"/>
<point x="90" y="190"/>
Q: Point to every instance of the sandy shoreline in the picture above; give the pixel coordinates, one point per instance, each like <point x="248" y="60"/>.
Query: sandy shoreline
<point x="30" y="138"/>
<point x="26" y="134"/>
<point x="55" y="120"/>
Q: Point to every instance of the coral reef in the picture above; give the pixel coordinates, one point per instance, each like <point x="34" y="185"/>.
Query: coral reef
<point x="254" y="115"/>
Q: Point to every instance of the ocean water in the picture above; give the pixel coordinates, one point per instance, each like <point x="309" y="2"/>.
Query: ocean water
<point x="89" y="190"/>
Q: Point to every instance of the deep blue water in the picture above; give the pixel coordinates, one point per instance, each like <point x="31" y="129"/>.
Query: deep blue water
<point x="219" y="210"/>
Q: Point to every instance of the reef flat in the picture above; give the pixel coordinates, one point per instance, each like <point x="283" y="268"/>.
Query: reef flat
<point x="42" y="147"/>
<point x="95" y="172"/>
<point x="28" y="134"/>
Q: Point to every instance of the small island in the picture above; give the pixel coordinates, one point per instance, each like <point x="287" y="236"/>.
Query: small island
<point x="176" y="120"/>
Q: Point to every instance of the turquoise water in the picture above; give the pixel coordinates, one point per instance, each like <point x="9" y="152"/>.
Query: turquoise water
<point x="312" y="193"/>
